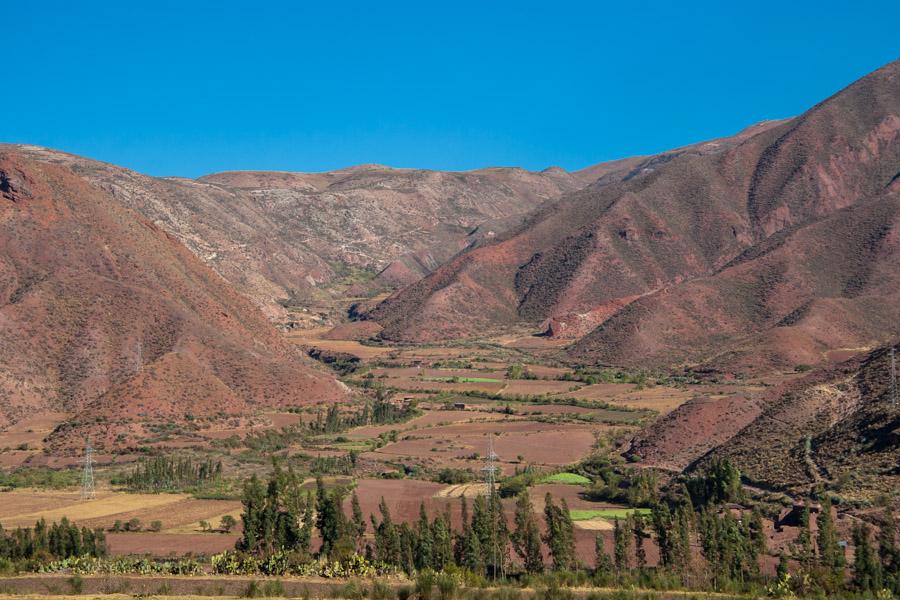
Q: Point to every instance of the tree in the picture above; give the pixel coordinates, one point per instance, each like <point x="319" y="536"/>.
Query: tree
<point x="830" y="553"/>
<point x="804" y="545"/>
<point x="781" y="571"/>
<point x="721" y="482"/>
<point x="640" y="534"/>
<point x="442" y="542"/>
<point x="603" y="566"/>
<point x="357" y="520"/>
<point x="227" y="523"/>
<point x="424" y="540"/>
<point x="621" y="547"/>
<point x="866" y="570"/>
<point x="499" y="536"/>
<point x="526" y="536"/>
<point x="333" y="526"/>
<point x="304" y="539"/>
<point x="253" y="499"/>
<point x="560" y="536"/>
<point x="387" y="538"/>
<point x="757" y="531"/>
<point x="888" y="552"/>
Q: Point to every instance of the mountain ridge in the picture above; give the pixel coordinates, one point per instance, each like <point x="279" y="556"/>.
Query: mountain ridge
<point x="595" y="264"/>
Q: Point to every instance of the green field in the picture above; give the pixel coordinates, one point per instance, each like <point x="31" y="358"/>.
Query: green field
<point x="606" y="513"/>
<point x="569" y="478"/>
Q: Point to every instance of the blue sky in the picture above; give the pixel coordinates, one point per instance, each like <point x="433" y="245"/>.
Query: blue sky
<point x="187" y="88"/>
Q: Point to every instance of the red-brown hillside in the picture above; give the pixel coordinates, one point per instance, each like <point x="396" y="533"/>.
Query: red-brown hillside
<point x="104" y="315"/>
<point x="777" y="244"/>
<point x="283" y="237"/>
<point x="837" y="427"/>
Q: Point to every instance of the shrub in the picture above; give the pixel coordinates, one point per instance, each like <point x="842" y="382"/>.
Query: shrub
<point x="353" y="590"/>
<point x="269" y="589"/>
<point x="425" y="584"/>
<point x="381" y="591"/>
<point x="133" y="525"/>
<point x="227" y="523"/>
<point x="447" y="585"/>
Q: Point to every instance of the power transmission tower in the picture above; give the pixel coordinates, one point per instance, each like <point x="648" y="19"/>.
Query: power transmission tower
<point x="489" y="468"/>
<point x="490" y="477"/>
<point x="87" y="477"/>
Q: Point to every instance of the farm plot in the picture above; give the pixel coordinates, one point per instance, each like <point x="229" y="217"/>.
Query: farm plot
<point x="570" y="493"/>
<point x="420" y="384"/>
<point x="542" y="371"/>
<point x="662" y="399"/>
<point x="515" y="441"/>
<point x="22" y="508"/>
<point x="536" y="387"/>
<point x="430" y="418"/>
<point x="169" y="544"/>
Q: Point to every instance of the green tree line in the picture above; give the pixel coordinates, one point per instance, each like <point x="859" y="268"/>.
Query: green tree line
<point x="45" y="542"/>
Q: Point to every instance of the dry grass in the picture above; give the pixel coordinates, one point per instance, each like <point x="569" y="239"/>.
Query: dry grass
<point x="460" y="490"/>
<point x="177" y="512"/>
<point x="594" y="525"/>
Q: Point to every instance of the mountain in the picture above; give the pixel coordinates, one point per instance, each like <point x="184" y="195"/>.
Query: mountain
<point x="292" y="238"/>
<point x="374" y="217"/>
<point x="768" y="249"/>
<point x="108" y="318"/>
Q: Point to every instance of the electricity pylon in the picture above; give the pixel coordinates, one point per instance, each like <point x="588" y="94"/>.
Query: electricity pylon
<point x="87" y="477"/>
<point x="490" y="478"/>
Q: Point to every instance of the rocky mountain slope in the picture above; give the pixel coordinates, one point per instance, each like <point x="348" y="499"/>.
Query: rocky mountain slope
<point x="105" y="316"/>
<point x="838" y="428"/>
<point x="289" y="238"/>
<point x="764" y="250"/>
<point x="374" y="217"/>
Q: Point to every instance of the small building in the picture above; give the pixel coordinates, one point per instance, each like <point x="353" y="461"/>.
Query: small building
<point x="459" y="406"/>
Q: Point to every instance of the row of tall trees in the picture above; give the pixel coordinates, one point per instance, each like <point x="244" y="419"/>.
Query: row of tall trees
<point x="164" y="473"/>
<point x="55" y="541"/>
<point x="377" y="412"/>
<point x="282" y="516"/>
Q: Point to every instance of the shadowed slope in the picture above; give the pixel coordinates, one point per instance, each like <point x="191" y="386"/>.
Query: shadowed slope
<point x="837" y="427"/>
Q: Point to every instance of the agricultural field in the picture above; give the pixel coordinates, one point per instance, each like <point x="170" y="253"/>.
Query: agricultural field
<point x="177" y="513"/>
<point x="457" y="404"/>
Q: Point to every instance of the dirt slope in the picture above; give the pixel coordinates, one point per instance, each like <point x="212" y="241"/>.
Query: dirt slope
<point x="775" y="245"/>
<point x="105" y="315"/>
